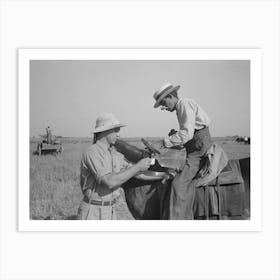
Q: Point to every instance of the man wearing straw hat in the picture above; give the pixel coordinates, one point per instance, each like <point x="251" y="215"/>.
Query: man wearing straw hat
<point x="103" y="170"/>
<point x="194" y="135"/>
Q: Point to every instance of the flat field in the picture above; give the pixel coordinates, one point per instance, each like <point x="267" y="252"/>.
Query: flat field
<point x="55" y="183"/>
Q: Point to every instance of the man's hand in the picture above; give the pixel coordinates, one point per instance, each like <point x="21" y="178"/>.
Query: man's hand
<point x="144" y="164"/>
<point x="167" y="143"/>
<point x="170" y="175"/>
<point x="88" y="193"/>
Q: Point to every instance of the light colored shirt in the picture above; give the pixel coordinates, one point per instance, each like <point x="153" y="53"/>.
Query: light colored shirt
<point x="97" y="161"/>
<point x="191" y="117"/>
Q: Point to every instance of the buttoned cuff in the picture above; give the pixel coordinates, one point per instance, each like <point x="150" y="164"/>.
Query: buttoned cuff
<point x="167" y="142"/>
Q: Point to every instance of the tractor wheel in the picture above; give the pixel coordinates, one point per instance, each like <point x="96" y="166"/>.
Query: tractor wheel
<point x="39" y="150"/>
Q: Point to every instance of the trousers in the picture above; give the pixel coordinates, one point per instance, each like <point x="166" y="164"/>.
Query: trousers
<point x="182" y="193"/>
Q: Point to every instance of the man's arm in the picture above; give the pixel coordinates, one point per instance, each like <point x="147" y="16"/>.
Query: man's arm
<point x="113" y="180"/>
<point x="186" y="119"/>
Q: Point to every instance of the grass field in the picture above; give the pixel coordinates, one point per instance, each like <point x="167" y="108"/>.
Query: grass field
<point x="54" y="180"/>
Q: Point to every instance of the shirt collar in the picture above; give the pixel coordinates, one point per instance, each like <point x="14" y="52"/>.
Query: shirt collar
<point x="103" y="145"/>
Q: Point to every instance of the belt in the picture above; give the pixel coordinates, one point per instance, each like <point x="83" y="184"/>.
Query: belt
<point x="100" y="202"/>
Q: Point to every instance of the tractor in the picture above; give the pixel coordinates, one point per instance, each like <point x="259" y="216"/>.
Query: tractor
<point x="49" y="144"/>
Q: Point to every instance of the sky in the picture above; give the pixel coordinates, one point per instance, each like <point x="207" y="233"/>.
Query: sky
<point x="69" y="95"/>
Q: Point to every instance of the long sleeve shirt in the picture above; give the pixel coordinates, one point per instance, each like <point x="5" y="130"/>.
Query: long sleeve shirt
<point x="191" y="117"/>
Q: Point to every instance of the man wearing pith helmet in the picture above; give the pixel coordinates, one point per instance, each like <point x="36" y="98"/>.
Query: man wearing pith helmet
<point x="193" y="134"/>
<point x="103" y="170"/>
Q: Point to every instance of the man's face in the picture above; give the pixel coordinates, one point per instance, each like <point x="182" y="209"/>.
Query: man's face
<point x="168" y="103"/>
<point x="113" y="135"/>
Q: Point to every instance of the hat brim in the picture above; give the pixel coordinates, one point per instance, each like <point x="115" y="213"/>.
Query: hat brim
<point x="105" y="128"/>
<point x="157" y="104"/>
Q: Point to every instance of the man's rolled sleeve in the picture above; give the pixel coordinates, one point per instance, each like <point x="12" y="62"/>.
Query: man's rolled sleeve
<point x="167" y="142"/>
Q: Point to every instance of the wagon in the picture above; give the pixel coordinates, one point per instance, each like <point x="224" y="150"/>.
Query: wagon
<point x="49" y="144"/>
<point x="46" y="148"/>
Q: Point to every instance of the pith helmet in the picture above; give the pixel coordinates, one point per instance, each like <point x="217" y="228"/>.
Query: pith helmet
<point x="107" y="121"/>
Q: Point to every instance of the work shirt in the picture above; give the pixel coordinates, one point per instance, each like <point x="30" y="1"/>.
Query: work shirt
<point x="98" y="160"/>
<point x="191" y="117"/>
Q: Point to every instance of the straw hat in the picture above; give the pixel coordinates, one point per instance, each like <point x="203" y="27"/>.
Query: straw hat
<point x="105" y="122"/>
<point x="162" y="92"/>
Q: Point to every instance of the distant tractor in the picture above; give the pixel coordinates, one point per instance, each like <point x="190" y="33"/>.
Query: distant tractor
<point x="245" y="140"/>
<point x="49" y="144"/>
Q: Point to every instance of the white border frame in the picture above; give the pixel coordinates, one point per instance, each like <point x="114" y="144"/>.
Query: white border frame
<point x="254" y="55"/>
